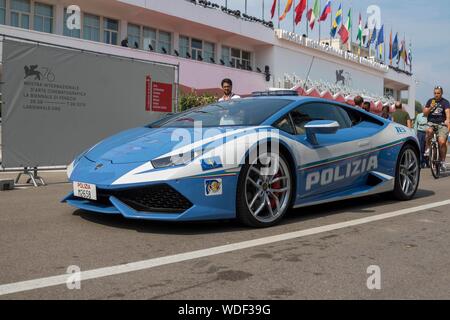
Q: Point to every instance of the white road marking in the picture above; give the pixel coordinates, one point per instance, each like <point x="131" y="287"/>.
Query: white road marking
<point x="161" y="261"/>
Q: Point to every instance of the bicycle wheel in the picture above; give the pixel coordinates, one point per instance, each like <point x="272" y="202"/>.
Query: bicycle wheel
<point x="435" y="163"/>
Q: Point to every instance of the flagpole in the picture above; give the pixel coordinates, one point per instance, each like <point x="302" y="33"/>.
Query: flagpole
<point x="331" y="22"/>
<point x="306" y="19"/>
<point x="390" y="48"/>
<point x="293" y="17"/>
<point x="262" y="17"/>
<point x="318" y="19"/>
<point x="351" y="32"/>
<point x="279" y="14"/>
<point x="384" y="45"/>
<point x="404" y="49"/>
<point x="338" y="27"/>
<point x="409" y="55"/>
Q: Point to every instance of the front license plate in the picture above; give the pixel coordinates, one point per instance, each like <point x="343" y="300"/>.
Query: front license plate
<point x="85" y="190"/>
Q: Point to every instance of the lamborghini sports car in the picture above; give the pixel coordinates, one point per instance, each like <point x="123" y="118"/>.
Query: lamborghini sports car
<point x="252" y="159"/>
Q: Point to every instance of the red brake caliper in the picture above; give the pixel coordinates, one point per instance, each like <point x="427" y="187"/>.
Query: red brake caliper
<point x="276" y="185"/>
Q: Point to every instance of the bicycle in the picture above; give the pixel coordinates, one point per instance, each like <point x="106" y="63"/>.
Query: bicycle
<point x="435" y="157"/>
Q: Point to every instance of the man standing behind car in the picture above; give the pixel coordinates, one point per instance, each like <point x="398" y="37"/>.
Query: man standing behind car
<point x="421" y="126"/>
<point x="400" y="116"/>
<point x="227" y="87"/>
<point x="359" y="101"/>
<point x="438" y="112"/>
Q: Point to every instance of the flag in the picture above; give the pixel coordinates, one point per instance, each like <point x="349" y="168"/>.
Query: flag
<point x="401" y="52"/>
<point x="349" y="20"/>
<point x="316" y="9"/>
<point x="313" y="14"/>
<point x="337" y="21"/>
<point x="326" y="11"/>
<point x="409" y="55"/>
<point x="395" y="47"/>
<point x="410" y="58"/>
<point x="286" y="9"/>
<point x="373" y="37"/>
<point x="404" y="53"/>
<point x="380" y="41"/>
<point x="365" y="34"/>
<point x="343" y="32"/>
<point x="360" y="31"/>
<point x="299" y="9"/>
<point x="274" y="5"/>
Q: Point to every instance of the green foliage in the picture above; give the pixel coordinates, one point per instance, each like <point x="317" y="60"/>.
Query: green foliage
<point x="191" y="100"/>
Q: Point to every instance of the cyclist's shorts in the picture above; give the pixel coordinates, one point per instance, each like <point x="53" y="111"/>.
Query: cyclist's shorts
<point x="442" y="132"/>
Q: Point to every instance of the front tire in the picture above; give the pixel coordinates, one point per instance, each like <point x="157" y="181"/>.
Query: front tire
<point x="407" y="174"/>
<point x="435" y="163"/>
<point x="264" y="192"/>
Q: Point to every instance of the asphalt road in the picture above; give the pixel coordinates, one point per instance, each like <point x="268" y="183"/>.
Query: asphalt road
<point x="41" y="238"/>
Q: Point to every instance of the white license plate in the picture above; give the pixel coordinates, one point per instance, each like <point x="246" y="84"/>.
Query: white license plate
<point x="85" y="190"/>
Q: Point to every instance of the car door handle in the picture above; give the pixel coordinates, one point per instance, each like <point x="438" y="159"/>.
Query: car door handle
<point x="363" y="144"/>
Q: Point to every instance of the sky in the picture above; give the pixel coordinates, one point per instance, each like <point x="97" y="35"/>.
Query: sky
<point x="424" y="23"/>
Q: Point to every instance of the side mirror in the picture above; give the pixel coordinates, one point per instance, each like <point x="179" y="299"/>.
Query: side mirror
<point x="320" y="127"/>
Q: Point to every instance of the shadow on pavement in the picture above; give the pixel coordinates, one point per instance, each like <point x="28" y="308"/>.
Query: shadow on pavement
<point x="365" y="205"/>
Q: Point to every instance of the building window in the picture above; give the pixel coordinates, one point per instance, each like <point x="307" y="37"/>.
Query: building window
<point x="43" y="17"/>
<point x="164" y="42"/>
<point x="208" y="52"/>
<point x="2" y="11"/>
<point x="236" y="58"/>
<point x="110" y="31"/>
<point x="245" y="60"/>
<point x="74" y="33"/>
<point x="149" y="39"/>
<point x="20" y="13"/>
<point x="134" y="36"/>
<point x="184" y="47"/>
<point x="196" y="49"/>
<point x="225" y="57"/>
<point x="91" y="27"/>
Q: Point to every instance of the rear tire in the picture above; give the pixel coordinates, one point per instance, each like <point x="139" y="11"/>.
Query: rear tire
<point x="435" y="163"/>
<point x="407" y="174"/>
<point x="262" y="200"/>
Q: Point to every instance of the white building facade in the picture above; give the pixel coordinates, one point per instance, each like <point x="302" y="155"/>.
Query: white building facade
<point x="207" y="44"/>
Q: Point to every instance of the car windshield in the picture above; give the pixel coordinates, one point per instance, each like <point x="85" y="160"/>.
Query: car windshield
<point x="238" y="112"/>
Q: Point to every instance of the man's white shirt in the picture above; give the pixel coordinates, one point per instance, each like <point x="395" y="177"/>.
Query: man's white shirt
<point x="233" y="96"/>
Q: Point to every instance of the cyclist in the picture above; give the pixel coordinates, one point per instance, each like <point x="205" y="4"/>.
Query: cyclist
<point x="437" y="111"/>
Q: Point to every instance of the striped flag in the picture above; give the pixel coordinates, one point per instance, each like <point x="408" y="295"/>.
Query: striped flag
<point x="326" y="11"/>
<point x="360" y="32"/>
<point x="313" y="14"/>
<point x="349" y="20"/>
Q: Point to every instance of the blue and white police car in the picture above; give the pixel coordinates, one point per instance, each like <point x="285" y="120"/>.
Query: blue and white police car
<point x="252" y="159"/>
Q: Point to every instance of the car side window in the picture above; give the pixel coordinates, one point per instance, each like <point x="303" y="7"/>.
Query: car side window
<point x="285" y="124"/>
<point x="354" y="116"/>
<point x="319" y="111"/>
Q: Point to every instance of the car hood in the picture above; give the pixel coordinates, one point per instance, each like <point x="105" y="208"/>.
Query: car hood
<point x="144" y="144"/>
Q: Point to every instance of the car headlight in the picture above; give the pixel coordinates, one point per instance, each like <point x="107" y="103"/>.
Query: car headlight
<point x="70" y="169"/>
<point x="176" y="160"/>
